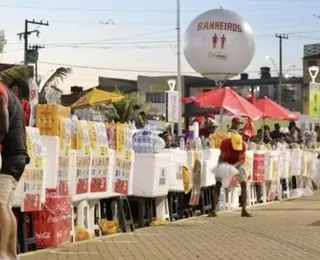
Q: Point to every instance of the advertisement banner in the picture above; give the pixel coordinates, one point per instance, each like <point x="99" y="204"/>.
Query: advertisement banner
<point x="82" y="177"/>
<point x="123" y="170"/>
<point x="99" y="174"/>
<point x="32" y="177"/>
<point x="172" y="106"/>
<point x="314" y="101"/>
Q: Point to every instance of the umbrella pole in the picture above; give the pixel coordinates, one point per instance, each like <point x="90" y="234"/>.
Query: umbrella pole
<point x="221" y="111"/>
<point x="99" y="114"/>
<point x="263" y="124"/>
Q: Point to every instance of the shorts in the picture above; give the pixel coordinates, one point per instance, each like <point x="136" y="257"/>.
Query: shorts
<point x="7" y="189"/>
<point x="240" y="177"/>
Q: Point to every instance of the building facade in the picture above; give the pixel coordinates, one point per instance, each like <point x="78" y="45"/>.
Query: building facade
<point x="152" y="90"/>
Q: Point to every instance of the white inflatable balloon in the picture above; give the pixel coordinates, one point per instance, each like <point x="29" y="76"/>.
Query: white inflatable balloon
<point x="219" y="44"/>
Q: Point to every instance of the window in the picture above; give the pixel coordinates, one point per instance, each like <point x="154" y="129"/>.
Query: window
<point x="312" y="63"/>
<point x="155" y="97"/>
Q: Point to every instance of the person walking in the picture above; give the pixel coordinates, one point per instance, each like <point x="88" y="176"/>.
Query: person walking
<point x="14" y="159"/>
<point x="233" y="151"/>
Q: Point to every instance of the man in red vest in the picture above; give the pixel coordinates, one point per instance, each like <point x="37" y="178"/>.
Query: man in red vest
<point x="233" y="151"/>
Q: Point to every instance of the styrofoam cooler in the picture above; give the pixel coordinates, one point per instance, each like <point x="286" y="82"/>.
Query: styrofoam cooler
<point x="45" y="175"/>
<point x="51" y="143"/>
<point x="271" y="161"/>
<point x="72" y="172"/>
<point x="258" y="167"/>
<point x="123" y="172"/>
<point x="210" y="159"/>
<point x="296" y="162"/>
<point x="77" y="196"/>
<point x="174" y="173"/>
<point x="17" y="200"/>
<point x="108" y="193"/>
<point x="310" y="164"/>
<point x="284" y="164"/>
<point x="190" y="163"/>
<point x="150" y="174"/>
<point x="314" y="165"/>
<point x="249" y="164"/>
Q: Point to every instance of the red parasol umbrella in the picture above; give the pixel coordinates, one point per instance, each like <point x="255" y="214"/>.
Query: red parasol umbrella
<point x="253" y="98"/>
<point x="248" y="129"/>
<point x="273" y="110"/>
<point x="229" y="100"/>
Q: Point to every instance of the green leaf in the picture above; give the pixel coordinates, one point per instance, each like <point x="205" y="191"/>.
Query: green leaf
<point x="13" y="73"/>
<point x="56" y="77"/>
<point x="123" y="109"/>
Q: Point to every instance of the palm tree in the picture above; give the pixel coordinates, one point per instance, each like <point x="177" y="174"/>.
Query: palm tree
<point x="58" y="76"/>
<point x="121" y="111"/>
<point x="15" y="72"/>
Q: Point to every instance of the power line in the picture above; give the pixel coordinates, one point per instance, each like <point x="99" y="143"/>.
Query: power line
<point x="142" y="47"/>
<point x="111" y="43"/>
<point x="115" y="41"/>
<point x="126" y="37"/>
<point x="135" y="70"/>
<point x="42" y="8"/>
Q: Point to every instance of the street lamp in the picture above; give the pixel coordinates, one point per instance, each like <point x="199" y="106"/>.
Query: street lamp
<point x="280" y="76"/>
<point x="273" y="63"/>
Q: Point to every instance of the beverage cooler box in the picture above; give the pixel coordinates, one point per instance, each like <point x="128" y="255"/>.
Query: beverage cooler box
<point x="151" y="173"/>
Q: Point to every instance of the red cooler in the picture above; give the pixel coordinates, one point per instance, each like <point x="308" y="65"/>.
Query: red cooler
<point x="258" y="167"/>
<point x="53" y="223"/>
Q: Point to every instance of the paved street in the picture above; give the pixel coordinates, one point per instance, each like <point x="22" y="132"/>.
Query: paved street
<point x="287" y="230"/>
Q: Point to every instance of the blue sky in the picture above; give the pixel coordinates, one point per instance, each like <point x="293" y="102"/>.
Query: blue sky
<point x="143" y="35"/>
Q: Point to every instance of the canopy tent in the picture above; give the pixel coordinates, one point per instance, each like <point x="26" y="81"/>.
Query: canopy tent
<point x="96" y="97"/>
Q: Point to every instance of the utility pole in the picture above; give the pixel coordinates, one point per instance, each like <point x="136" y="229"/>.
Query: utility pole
<point x="179" y="87"/>
<point x="33" y="50"/>
<point x="279" y="90"/>
<point x="26" y="34"/>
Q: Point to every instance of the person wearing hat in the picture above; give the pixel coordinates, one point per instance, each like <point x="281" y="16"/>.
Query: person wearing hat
<point x="233" y="151"/>
<point x="210" y="128"/>
<point x="235" y="125"/>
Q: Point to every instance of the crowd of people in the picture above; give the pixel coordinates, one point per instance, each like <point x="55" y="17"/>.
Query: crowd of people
<point x="287" y="136"/>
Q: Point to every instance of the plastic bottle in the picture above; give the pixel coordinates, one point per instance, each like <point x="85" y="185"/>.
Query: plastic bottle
<point x="198" y="144"/>
<point x="143" y="144"/>
<point x="139" y="144"/>
<point x="195" y="130"/>
<point x="149" y="145"/>
<point x="133" y="124"/>
<point x="135" y="144"/>
<point x="191" y="132"/>
<point x="182" y="144"/>
<point x="188" y="144"/>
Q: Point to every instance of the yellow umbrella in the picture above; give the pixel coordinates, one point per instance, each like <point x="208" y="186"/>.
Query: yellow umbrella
<point x="97" y="97"/>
